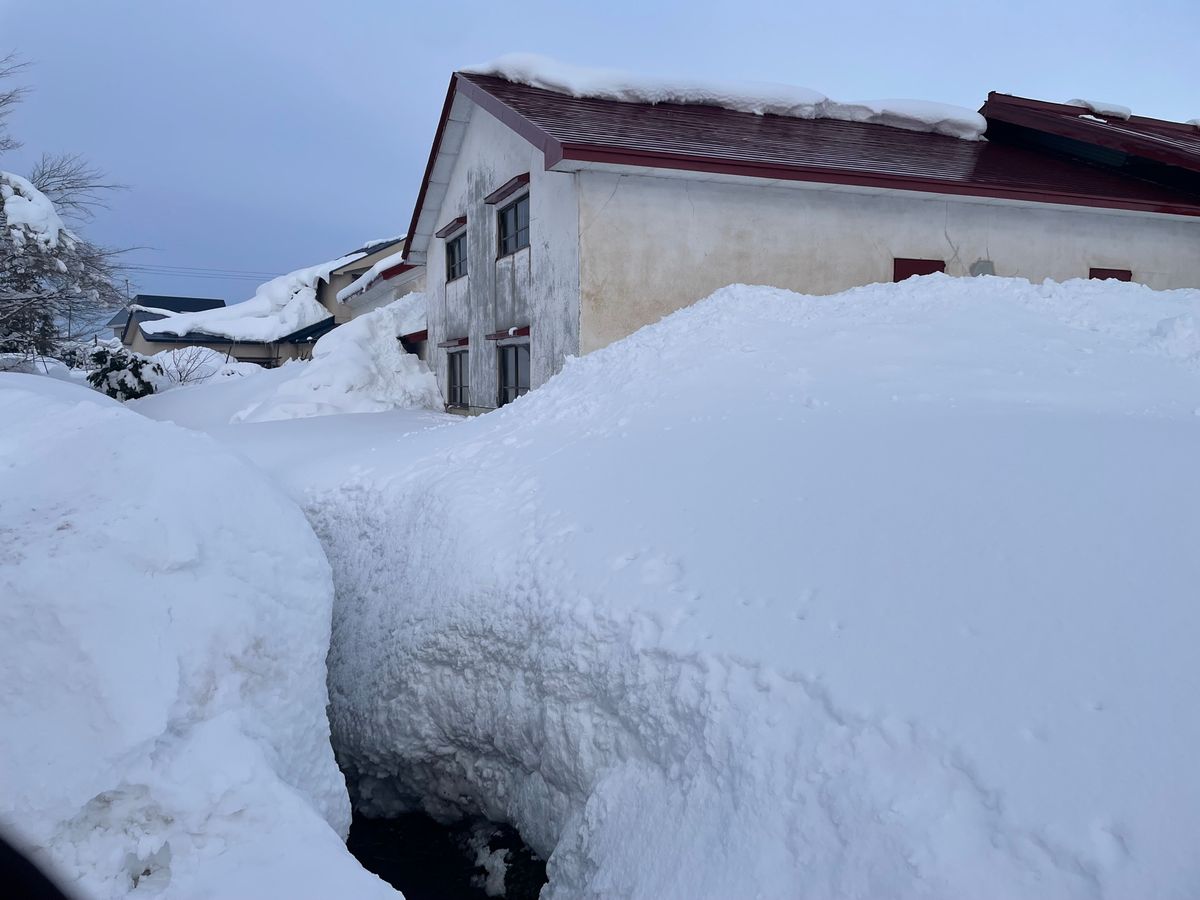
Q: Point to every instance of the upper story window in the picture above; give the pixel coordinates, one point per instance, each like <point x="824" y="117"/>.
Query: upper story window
<point x="456" y="257"/>
<point x="903" y="268"/>
<point x="513" y="226"/>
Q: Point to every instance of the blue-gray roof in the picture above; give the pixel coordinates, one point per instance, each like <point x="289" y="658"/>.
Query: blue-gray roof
<point x="162" y="301"/>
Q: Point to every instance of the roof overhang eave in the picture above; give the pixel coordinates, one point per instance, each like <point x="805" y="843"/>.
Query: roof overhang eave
<point x="578" y="156"/>
<point x="461" y="96"/>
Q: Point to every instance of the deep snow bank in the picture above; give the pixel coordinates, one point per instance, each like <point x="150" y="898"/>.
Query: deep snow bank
<point x="358" y="367"/>
<point x="164" y="616"/>
<point x="887" y="594"/>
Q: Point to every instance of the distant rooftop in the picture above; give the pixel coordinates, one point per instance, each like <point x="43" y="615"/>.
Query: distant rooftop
<point x="177" y="304"/>
<point x="159" y="301"/>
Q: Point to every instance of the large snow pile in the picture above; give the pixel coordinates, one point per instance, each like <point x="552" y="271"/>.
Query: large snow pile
<point x="30" y="214"/>
<point x="753" y="97"/>
<point x="164" y="617"/>
<point x="357" y="367"/>
<point x="281" y="306"/>
<point x="886" y="594"/>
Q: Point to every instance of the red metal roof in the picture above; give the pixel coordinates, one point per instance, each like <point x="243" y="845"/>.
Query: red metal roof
<point x="713" y="139"/>
<point x="717" y="140"/>
<point x="1170" y="143"/>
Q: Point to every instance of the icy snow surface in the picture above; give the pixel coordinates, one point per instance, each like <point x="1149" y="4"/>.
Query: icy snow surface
<point x="886" y="594"/>
<point x="1101" y="108"/>
<point x="753" y="97"/>
<point x="164" y="617"/>
<point x="358" y="367"/>
<point x="30" y="214"/>
<point x="278" y="308"/>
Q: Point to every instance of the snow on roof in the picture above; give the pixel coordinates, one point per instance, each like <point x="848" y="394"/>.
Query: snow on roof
<point x="379" y="242"/>
<point x="31" y="214"/>
<point x="367" y="278"/>
<point x="761" y="98"/>
<point x="1102" y="108"/>
<point x="278" y="308"/>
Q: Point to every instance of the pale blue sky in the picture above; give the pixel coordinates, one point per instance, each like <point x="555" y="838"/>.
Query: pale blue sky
<point x="263" y="136"/>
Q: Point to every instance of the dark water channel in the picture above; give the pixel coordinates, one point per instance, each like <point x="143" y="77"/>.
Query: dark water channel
<point x="425" y="860"/>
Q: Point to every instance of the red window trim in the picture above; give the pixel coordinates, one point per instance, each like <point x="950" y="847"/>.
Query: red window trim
<point x="415" y="337"/>
<point x="1118" y="274"/>
<point x="906" y="267"/>
<point x="450" y="227"/>
<point x="507" y="189"/>
<point x="454" y="342"/>
<point x="523" y="331"/>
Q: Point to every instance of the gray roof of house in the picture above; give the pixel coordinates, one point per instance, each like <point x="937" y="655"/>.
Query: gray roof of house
<point x="177" y="304"/>
<point x="162" y="301"/>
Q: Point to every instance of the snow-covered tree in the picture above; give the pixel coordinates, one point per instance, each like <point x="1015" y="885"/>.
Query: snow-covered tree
<point x="51" y="279"/>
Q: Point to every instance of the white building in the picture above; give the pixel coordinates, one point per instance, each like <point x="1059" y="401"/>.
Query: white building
<point x="551" y="224"/>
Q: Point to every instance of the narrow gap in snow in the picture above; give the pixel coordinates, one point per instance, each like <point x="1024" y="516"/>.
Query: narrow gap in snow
<point x="473" y="859"/>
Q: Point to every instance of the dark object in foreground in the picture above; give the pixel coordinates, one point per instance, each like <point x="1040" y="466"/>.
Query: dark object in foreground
<point x="428" y="861"/>
<point x="20" y="878"/>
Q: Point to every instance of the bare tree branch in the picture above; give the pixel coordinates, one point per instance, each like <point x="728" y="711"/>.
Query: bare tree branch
<point x="9" y="97"/>
<point x="74" y="186"/>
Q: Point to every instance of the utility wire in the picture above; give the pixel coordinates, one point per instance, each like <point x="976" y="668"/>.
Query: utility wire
<point x="208" y="269"/>
<point x="151" y="272"/>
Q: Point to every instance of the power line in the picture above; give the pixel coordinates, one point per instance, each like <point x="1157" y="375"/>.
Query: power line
<point x="151" y="272"/>
<point x="212" y="269"/>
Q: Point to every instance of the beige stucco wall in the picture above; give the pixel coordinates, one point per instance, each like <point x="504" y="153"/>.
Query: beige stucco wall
<point x="652" y="244"/>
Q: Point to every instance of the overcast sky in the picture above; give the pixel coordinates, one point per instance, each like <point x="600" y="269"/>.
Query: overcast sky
<point x="259" y="136"/>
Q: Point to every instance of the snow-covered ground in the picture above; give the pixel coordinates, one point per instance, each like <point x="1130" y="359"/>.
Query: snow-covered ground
<point x="164" y="620"/>
<point x="884" y="594"/>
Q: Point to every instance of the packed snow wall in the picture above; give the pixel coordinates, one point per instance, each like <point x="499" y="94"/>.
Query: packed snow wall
<point x="883" y="594"/>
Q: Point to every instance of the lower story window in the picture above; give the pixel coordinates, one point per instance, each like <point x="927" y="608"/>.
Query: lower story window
<point x="1118" y="274"/>
<point x="514" y="372"/>
<point x="457" y="378"/>
<point x="903" y="268"/>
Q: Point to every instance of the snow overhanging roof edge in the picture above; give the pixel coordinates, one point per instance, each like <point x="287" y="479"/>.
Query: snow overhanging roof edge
<point x="448" y="141"/>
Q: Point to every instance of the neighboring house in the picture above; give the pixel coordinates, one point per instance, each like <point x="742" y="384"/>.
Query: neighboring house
<point x="368" y="261"/>
<point x="297" y="345"/>
<point x="121" y="321"/>
<point x="551" y="225"/>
